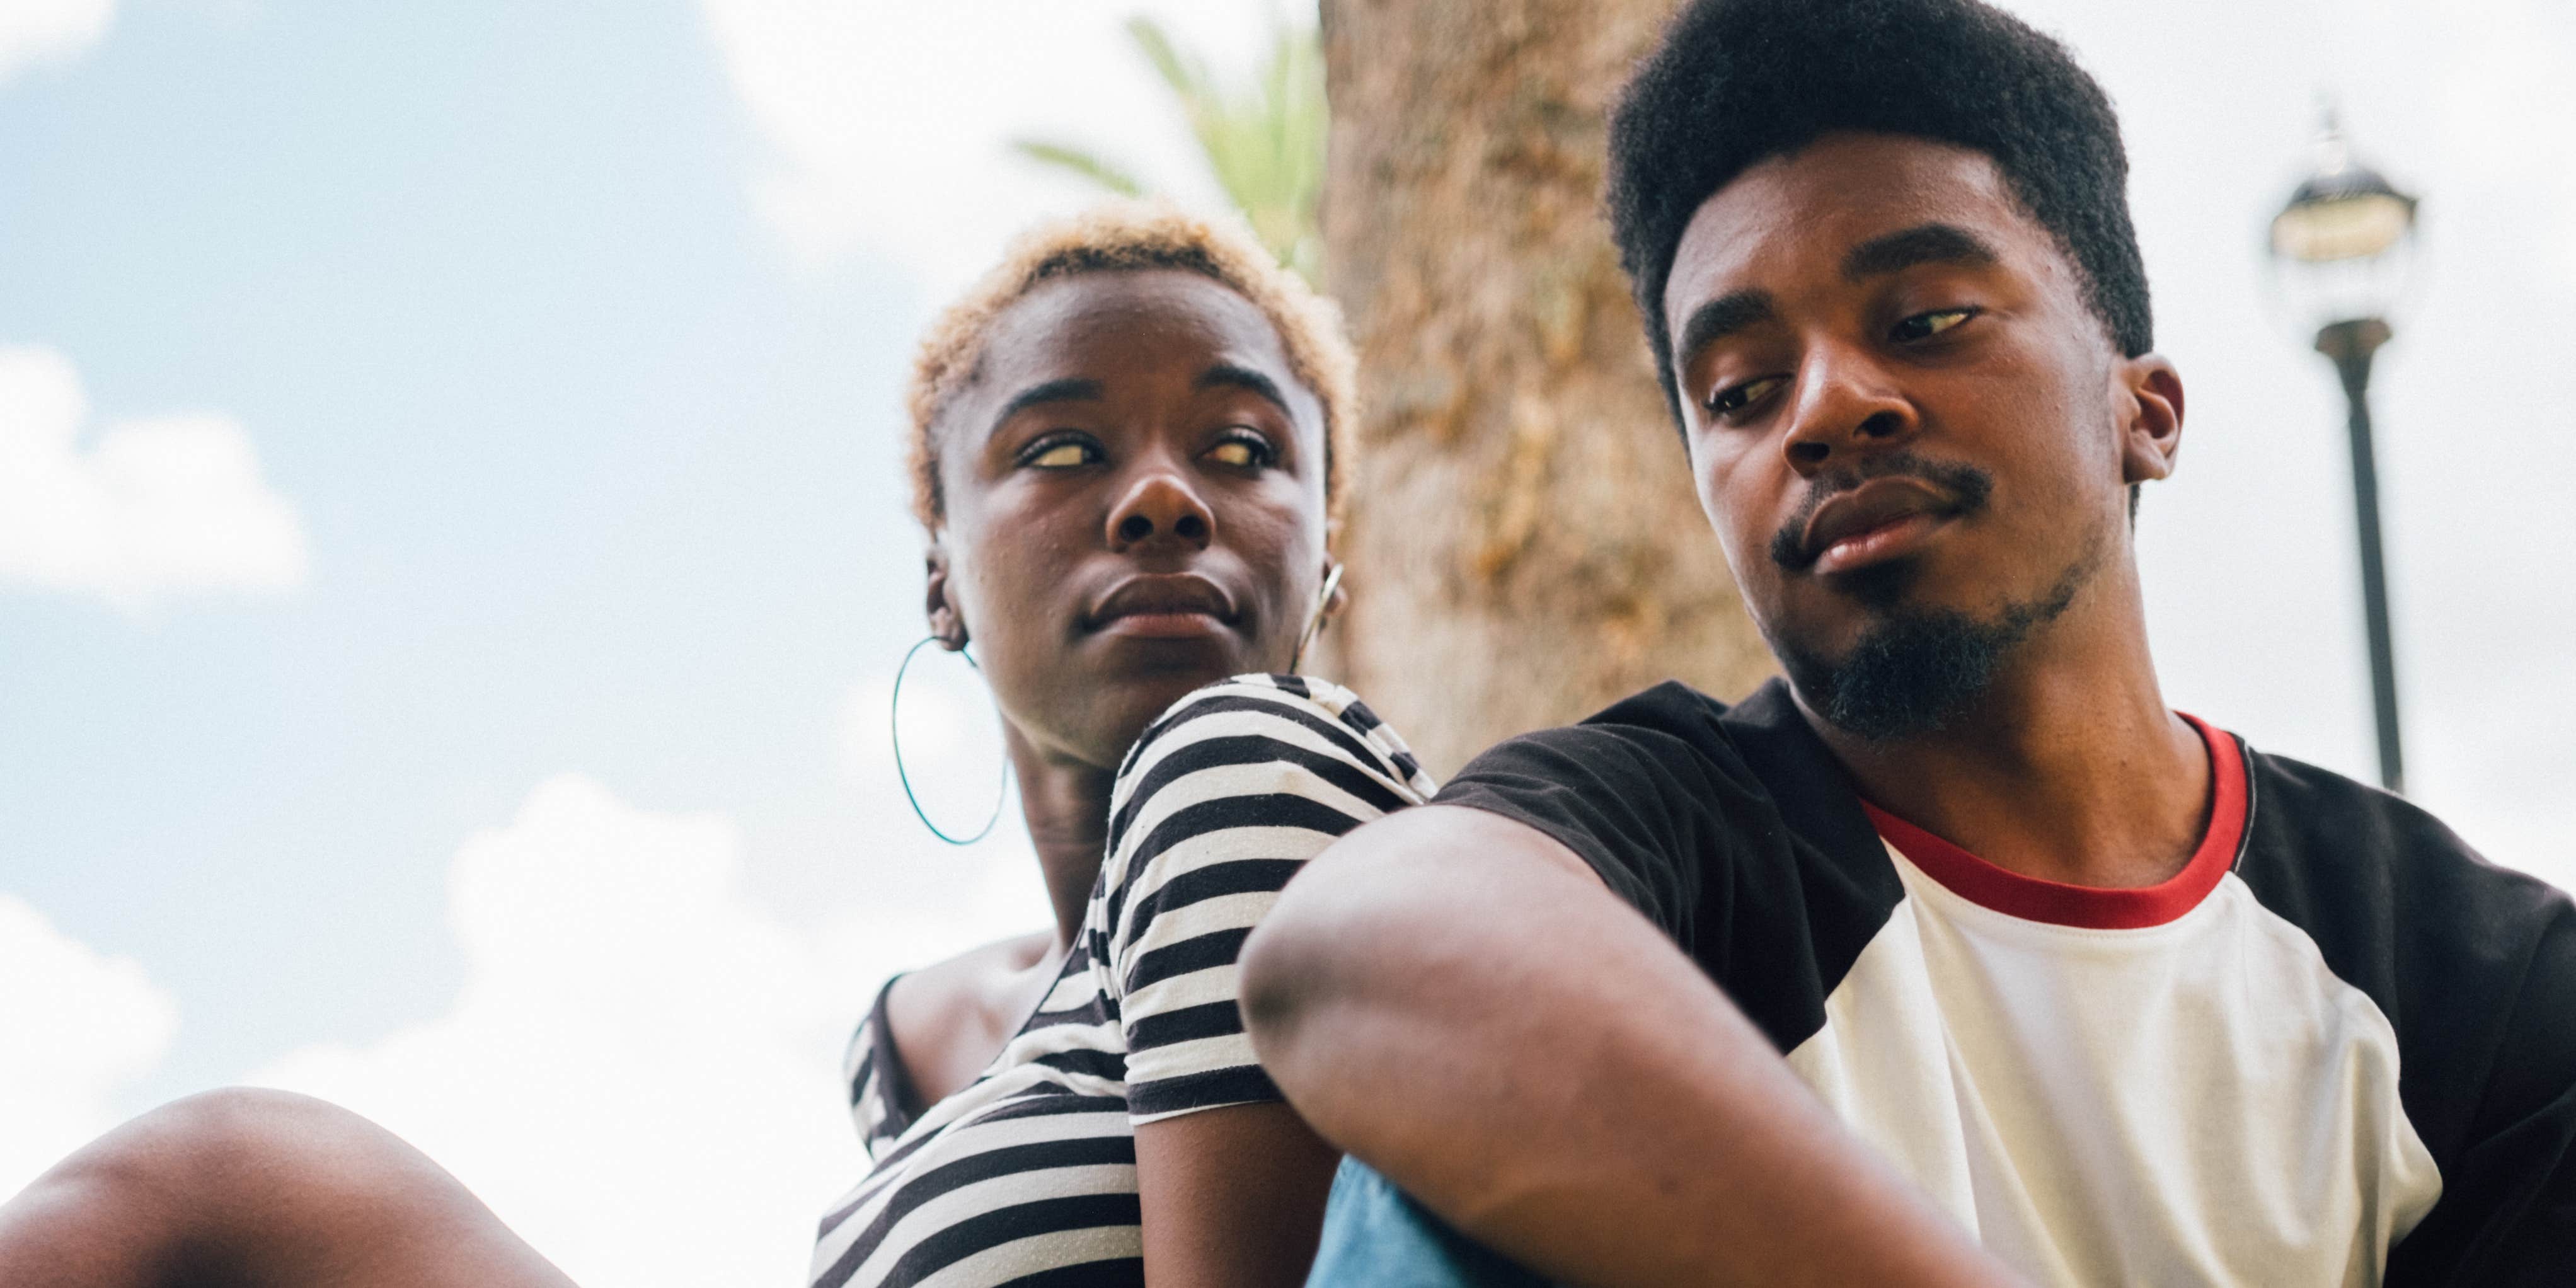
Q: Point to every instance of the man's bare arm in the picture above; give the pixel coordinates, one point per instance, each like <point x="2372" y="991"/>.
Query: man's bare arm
<point x="1456" y="999"/>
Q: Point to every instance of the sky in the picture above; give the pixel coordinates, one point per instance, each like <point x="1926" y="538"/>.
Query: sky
<point x="453" y="557"/>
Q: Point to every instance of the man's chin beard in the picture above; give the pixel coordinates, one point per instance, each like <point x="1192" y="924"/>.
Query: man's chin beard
<point x="1916" y="671"/>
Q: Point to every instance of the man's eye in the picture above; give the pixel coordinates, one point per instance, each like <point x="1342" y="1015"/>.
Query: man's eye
<point x="1061" y="456"/>
<point x="1735" y="398"/>
<point x="1924" y="326"/>
<point x="1241" y="451"/>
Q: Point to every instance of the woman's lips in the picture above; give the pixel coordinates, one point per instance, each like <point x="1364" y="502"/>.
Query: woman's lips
<point x="1163" y="625"/>
<point x="1164" y="606"/>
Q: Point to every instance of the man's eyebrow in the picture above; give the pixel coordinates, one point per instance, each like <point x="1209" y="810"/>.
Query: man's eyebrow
<point x="1068" y="390"/>
<point x="1226" y="375"/>
<point x="1921" y="244"/>
<point x="1720" y="318"/>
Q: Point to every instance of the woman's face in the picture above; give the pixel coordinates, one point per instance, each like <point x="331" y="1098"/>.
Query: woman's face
<point x="1134" y="493"/>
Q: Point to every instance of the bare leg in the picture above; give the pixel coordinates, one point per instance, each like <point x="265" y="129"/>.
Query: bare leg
<point x="257" y="1189"/>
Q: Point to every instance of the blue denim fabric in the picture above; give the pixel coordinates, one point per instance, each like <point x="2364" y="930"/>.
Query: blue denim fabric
<point x="1375" y="1237"/>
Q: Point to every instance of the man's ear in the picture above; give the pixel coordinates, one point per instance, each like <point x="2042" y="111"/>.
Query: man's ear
<point x="2151" y="421"/>
<point x="946" y="622"/>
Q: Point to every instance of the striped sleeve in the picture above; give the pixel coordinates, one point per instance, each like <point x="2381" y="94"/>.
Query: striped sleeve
<point x="874" y="1080"/>
<point x="1220" y="802"/>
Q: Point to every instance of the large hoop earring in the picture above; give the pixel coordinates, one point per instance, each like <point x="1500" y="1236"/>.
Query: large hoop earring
<point x="1315" y="619"/>
<point x="894" y="721"/>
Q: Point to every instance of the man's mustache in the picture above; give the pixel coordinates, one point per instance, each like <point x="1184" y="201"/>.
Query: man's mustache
<point x="1967" y="486"/>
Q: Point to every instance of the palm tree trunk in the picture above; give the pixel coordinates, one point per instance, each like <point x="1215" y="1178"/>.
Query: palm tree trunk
<point x="1524" y="543"/>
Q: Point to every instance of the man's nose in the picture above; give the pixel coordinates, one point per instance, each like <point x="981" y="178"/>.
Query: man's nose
<point x="1846" y="408"/>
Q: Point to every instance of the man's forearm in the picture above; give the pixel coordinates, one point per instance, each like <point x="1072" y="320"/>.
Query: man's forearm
<point x="1455" y="999"/>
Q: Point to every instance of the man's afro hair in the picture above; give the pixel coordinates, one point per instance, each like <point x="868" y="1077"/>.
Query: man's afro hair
<point x="1736" y="82"/>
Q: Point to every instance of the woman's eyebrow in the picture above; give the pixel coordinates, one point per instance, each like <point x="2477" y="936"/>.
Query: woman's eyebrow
<point x="1226" y="375"/>
<point x="1068" y="390"/>
<point x="1921" y="244"/>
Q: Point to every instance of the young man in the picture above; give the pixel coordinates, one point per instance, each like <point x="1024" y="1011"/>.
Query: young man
<point x="1975" y="960"/>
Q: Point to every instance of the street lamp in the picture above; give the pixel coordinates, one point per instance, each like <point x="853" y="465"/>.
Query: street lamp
<point x="2341" y="253"/>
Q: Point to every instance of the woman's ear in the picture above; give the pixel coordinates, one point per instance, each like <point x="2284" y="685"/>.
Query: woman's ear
<point x="1337" y="596"/>
<point x="946" y="623"/>
<point x="2151" y="428"/>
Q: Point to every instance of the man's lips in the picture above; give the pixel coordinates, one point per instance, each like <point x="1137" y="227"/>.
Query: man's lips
<point x="1881" y="519"/>
<point x="1162" y="605"/>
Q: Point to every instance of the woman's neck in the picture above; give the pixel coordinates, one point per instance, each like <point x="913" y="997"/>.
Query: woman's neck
<point x="1066" y="802"/>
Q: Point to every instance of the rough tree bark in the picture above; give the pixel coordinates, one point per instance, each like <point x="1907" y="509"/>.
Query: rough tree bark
<point x="1523" y="542"/>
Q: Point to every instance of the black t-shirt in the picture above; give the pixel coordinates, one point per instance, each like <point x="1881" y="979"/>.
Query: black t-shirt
<point x="2339" y="1047"/>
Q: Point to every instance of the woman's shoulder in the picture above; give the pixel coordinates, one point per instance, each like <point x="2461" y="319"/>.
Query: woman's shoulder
<point x="1253" y="716"/>
<point x="1237" y="784"/>
<point x="1232" y="790"/>
<point x="931" y="1000"/>
<point x="933" y="1027"/>
<point x="874" y="1078"/>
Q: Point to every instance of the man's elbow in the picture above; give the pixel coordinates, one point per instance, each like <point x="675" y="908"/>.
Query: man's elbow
<point x="1285" y="968"/>
<point x="1323" y="955"/>
<point x="1357" y="932"/>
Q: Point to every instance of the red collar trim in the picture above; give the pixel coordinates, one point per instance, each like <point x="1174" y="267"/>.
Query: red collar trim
<point x="2092" y="907"/>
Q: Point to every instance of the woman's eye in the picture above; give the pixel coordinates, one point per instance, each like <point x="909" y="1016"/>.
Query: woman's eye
<point x="1061" y="456"/>
<point x="1924" y="326"/>
<point x="1241" y="451"/>
<point x="1735" y="398"/>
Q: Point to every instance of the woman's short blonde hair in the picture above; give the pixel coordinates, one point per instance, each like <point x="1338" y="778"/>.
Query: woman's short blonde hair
<point x="1128" y="236"/>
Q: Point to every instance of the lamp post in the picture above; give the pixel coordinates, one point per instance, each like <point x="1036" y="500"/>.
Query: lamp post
<point x="2341" y="249"/>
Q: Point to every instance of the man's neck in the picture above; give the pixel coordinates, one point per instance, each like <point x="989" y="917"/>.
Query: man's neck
<point x="2069" y="768"/>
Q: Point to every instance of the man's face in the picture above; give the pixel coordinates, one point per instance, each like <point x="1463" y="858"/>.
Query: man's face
<point x="1912" y="437"/>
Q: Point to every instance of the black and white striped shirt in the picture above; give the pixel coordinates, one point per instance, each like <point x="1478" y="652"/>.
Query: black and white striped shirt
<point x="1028" y="1174"/>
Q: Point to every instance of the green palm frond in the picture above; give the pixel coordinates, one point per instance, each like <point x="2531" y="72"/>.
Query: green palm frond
<point x="1080" y="161"/>
<point x="1186" y="74"/>
<point x="1263" y="140"/>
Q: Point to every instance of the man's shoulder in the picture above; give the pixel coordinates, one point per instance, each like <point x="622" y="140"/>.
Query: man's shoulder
<point x="2458" y="953"/>
<point x="1755" y="761"/>
<point x="1670" y="707"/>
<point x="2346" y="841"/>
<point x="1676" y="713"/>
<point x="1670" y="743"/>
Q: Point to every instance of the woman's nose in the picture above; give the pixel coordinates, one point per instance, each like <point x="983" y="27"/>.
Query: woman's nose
<point x="1160" y="507"/>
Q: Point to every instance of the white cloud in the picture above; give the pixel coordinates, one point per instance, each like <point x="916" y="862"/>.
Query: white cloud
<point x="156" y="506"/>
<point x="886" y="123"/>
<point x="640" y="1074"/>
<point x="80" y="1025"/>
<point x="952" y="744"/>
<point x="36" y="31"/>
<point x="2504" y="111"/>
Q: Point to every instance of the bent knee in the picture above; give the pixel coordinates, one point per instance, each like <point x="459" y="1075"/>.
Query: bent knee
<point x="253" y="1127"/>
<point x="255" y="1186"/>
<point x="239" y="1143"/>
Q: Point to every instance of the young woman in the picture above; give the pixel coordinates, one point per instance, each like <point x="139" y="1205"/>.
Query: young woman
<point x="1124" y="447"/>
